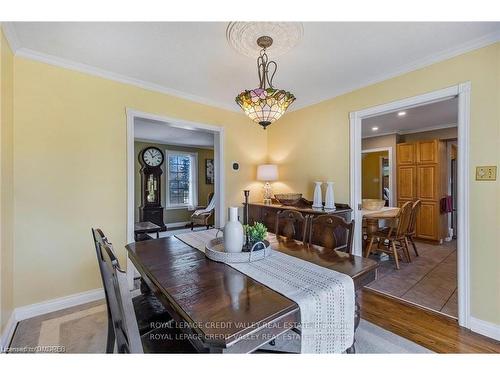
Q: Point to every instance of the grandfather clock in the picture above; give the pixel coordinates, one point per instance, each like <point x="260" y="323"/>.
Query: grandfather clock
<point x="151" y="159"/>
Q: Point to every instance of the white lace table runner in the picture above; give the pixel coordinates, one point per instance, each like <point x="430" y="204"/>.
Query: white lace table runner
<point x="325" y="297"/>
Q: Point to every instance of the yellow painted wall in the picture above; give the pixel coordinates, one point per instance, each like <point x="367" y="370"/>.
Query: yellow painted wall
<point x="313" y="144"/>
<point x="70" y="157"/>
<point x="173" y="215"/>
<point x="371" y="184"/>
<point x="6" y="182"/>
<point x="70" y="160"/>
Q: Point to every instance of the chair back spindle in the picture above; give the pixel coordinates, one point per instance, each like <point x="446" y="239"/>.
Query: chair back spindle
<point x="404" y="218"/>
<point x="413" y="217"/>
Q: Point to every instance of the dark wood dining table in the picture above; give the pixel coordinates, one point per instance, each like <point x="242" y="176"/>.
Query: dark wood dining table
<point x="141" y="230"/>
<point x="222" y="310"/>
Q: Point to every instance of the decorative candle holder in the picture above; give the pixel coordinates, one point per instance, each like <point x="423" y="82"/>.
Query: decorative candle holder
<point x="318" y="199"/>
<point x="329" y="198"/>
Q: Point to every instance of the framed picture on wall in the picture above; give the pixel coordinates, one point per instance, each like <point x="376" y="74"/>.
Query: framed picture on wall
<point x="209" y="171"/>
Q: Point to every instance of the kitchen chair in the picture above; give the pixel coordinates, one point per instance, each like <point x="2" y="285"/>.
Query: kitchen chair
<point x="332" y="232"/>
<point x="396" y="237"/>
<point x="289" y="223"/>
<point x="412" y="225"/>
<point x="130" y="320"/>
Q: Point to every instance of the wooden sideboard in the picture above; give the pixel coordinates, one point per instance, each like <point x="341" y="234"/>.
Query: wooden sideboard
<point x="266" y="214"/>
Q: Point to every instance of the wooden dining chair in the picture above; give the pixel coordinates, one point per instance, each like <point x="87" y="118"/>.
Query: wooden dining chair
<point x="132" y="321"/>
<point x="147" y="306"/>
<point x="332" y="232"/>
<point x="395" y="236"/>
<point x="415" y="208"/>
<point x="289" y="223"/>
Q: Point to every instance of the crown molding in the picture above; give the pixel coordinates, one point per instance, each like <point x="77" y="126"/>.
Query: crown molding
<point x="472" y="45"/>
<point x="11" y="36"/>
<point x="18" y="50"/>
<point x="404" y="132"/>
<point x="14" y="42"/>
<point x="84" y="68"/>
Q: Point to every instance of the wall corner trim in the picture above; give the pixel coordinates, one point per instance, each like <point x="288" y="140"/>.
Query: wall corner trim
<point x="8" y="333"/>
<point x="11" y="36"/>
<point x="485" y="328"/>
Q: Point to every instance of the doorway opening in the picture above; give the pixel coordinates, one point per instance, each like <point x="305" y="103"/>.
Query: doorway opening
<point x="175" y="178"/>
<point x="427" y="274"/>
<point x="377" y="164"/>
<point x="430" y="167"/>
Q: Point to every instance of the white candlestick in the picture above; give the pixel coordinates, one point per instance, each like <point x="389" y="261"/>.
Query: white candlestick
<point x="329" y="198"/>
<point x="318" y="198"/>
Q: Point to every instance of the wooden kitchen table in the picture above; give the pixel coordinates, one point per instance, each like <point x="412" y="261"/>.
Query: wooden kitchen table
<point x="221" y="309"/>
<point x="372" y="217"/>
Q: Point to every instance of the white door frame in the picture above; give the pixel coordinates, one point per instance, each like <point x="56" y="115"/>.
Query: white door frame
<point x="463" y="92"/>
<point x="391" y="182"/>
<point x="220" y="210"/>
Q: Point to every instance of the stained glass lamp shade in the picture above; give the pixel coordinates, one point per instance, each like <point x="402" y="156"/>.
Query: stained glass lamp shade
<point x="265" y="104"/>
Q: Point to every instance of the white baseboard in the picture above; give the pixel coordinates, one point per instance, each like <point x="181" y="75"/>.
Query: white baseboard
<point x="177" y="225"/>
<point x="30" y="311"/>
<point x="26" y="312"/>
<point x="8" y="332"/>
<point x="485" y="328"/>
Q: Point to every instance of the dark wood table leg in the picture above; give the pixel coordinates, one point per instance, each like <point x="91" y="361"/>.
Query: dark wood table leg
<point x="145" y="287"/>
<point x="357" y="319"/>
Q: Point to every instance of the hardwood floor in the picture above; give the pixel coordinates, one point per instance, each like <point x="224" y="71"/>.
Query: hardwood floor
<point x="429" y="329"/>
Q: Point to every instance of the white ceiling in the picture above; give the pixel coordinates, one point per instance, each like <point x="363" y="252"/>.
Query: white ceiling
<point x="426" y="117"/>
<point x="161" y="132"/>
<point x="194" y="60"/>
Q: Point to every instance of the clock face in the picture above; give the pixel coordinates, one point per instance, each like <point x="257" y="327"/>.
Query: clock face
<point x="152" y="157"/>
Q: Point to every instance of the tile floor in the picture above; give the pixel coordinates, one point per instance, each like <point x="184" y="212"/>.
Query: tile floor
<point x="430" y="280"/>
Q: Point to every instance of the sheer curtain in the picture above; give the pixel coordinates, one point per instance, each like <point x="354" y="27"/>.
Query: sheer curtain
<point x="193" y="181"/>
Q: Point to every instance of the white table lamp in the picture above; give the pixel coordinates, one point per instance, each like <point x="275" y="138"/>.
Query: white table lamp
<point x="267" y="173"/>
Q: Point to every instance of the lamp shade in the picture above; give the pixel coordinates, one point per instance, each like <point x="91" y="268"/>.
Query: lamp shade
<point x="267" y="172"/>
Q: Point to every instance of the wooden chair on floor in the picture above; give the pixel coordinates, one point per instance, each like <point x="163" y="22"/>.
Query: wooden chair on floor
<point x="131" y="321"/>
<point x="331" y="232"/>
<point x="289" y="223"/>
<point x="396" y="237"/>
<point x="412" y="225"/>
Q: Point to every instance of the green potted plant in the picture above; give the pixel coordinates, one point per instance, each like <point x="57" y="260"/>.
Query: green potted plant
<point x="255" y="233"/>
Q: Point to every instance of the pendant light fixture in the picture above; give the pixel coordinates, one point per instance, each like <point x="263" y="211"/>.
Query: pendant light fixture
<point x="265" y="104"/>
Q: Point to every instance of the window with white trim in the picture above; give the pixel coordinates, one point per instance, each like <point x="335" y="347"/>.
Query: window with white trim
<point x="182" y="179"/>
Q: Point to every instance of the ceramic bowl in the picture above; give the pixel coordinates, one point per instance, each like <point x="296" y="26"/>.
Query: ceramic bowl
<point x="373" y="204"/>
<point x="288" y="199"/>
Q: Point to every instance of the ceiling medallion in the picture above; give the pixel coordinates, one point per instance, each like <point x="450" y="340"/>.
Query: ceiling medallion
<point x="265" y="104"/>
<point x="241" y="36"/>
